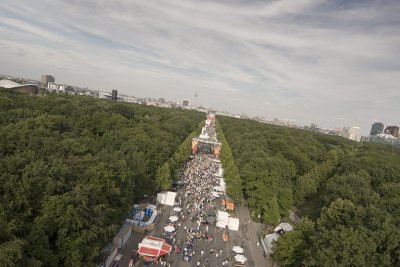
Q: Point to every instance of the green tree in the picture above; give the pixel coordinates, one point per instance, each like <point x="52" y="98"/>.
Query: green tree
<point x="285" y="200"/>
<point x="291" y="247"/>
<point x="271" y="211"/>
<point x="163" y="177"/>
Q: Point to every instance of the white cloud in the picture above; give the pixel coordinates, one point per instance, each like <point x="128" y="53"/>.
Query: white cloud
<point x="307" y="60"/>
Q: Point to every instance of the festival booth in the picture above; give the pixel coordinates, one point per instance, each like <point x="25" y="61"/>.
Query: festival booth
<point x="269" y="241"/>
<point x="123" y="235"/>
<point x="230" y="205"/>
<point x="151" y="248"/>
<point x="237" y="249"/>
<point x="166" y="198"/>
<point x="219" y="188"/>
<point x="233" y="224"/>
<point x="109" y="252"/>
<point x="216" y="194"/>
<point x="283" y="228"/>
<point x="240" y="259"/>
<point x="224" y="221"/>
<point x="143" y="218"/>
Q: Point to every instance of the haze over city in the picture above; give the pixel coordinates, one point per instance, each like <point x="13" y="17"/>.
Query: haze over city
<point x="335" y="63"/>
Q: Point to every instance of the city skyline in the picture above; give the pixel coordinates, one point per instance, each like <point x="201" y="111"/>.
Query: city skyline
<point x="333" y="63"/>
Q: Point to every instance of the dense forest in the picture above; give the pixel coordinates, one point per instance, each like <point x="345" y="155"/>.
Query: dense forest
<point x="71" y="167"/>
<point x="348" y="193"/>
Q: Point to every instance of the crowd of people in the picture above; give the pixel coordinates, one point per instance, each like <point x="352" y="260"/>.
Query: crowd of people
<point x="201" y="204"/>
<point x="198" y="207"/>
<point x="196" y="239"/>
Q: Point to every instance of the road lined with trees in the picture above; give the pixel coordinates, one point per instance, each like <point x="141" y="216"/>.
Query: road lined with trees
<point x="349" y="193"/>
<point x="71" y="168"/>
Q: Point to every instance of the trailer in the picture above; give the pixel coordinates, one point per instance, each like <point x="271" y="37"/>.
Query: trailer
<point x="123" y="235"/>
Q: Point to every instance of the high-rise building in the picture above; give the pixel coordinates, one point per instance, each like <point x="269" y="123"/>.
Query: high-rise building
<point x="47" y="79"/>
<point x="377" y="128"/>
<point x="114" y="95"/>
<point x="353" y="133"/>
<point x="185" y="103"/>
<point x="393" y="130"/>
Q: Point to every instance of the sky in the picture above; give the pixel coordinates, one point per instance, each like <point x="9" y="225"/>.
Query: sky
<point x="334" y="63"/>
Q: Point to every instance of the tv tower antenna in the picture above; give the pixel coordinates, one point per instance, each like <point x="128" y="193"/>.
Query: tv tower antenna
<point x="195" y="99"/>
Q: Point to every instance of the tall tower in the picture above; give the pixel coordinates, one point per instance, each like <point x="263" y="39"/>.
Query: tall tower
<point x="114" y="95"/>
<point x="185" y="103"/>
<point x="377" y="128"/>
<point x="47" y="79"/>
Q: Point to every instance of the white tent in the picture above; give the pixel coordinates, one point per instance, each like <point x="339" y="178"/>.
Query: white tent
<point x="218" y="188"/>
<point x="170" y="199"/>
<point x="237" y="249"/>
<point x="286" y="227"/>
<point x="177" y="209"/>
<point x="222" y="219"/>
<point x="221" y="224"/>
<point x="173" y="218"/>
<point x="166" y="198"/>
<point x="215" y="194"/>
<point x="233" y="224"/>
<point x="222" y="216"/>
<point x="161" y="197"/>
<point x="169" y="228"/>
<point x="268" y="241"/>
<point x="240" y="258"/>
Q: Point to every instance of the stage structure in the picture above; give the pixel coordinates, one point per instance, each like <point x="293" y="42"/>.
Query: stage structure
<point x="207" y="141"/>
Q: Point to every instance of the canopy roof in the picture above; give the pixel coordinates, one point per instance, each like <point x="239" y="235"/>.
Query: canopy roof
<point x="286" y="227"/>
<point x="10" y="84"/>
<point x="154" y="247"/>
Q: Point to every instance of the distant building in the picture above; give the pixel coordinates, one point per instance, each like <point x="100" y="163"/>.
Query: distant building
<point x="385" y="139"/>
<point x="353" y="133"/>
<point x="114" y="95"/>
<point x="185" y="103"/>
<point x="104" y="95"/>
<point x="54" y="87"/>
<point x="130" y="99"/>
<point x="47" y="79"/>
<point x="152" y="102"/>
<point x="393" y="130"/>
<point x="32" y="89"/>
<point x="377" y="128"/>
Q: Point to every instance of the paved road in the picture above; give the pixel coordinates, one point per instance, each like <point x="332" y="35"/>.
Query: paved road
<point x="253" y="253"/>
<point x="222" y="251"/>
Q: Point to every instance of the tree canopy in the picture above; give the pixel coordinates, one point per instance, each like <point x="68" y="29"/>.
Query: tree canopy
<point x="350" y="191"/>
<point x="71" y="167"/>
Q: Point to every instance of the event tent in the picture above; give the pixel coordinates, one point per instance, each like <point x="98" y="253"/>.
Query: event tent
<point x="286" y="227"/>
<point x="151" y="248"/>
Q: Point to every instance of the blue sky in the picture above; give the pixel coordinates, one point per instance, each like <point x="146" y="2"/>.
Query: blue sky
<point x="336" y="63"/>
